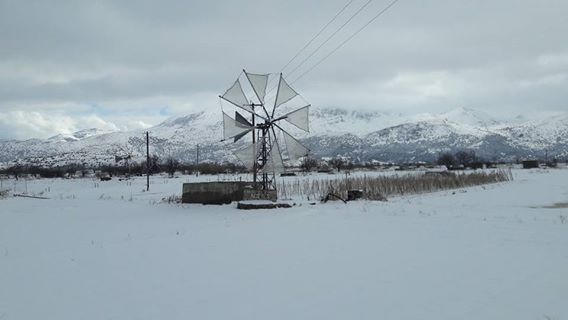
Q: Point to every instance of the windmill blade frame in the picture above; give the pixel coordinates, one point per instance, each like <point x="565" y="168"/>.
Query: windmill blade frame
<point x="247" y="110"/>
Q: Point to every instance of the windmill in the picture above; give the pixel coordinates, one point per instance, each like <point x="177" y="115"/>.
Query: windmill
<point x="271" y="144"/>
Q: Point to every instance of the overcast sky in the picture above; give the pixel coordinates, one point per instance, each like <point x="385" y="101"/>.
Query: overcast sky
<point x="70" y="65"/>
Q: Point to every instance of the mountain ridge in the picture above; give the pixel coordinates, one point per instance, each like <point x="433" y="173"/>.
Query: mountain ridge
<point x="363" y="135"/>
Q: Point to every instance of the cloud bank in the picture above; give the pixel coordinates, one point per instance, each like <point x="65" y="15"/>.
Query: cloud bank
<point x="68" y="65"/>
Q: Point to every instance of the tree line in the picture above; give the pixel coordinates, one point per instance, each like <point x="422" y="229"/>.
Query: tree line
<point x="156" y="166"/>
<point x="462" y="158"/>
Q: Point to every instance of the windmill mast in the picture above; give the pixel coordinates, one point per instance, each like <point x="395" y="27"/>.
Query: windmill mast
<point x="254" y="164"/>
<point x="267" y="184"/>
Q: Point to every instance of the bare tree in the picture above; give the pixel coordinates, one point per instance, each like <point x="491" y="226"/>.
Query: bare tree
<point x="446" y="159"/>
<point x="308" y="163"/>
<point x="154" y="164"/>
<point x="337" y="163"/>
<point x="465" y="157"/>
<point x="172" y="165"/>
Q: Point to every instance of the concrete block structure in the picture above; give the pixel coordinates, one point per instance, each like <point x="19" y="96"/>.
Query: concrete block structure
<point x="224" y="192"/>
<point x="214" y="192"/>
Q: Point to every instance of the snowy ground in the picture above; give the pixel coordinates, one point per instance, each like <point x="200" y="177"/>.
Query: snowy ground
<point x="108" y="250"/>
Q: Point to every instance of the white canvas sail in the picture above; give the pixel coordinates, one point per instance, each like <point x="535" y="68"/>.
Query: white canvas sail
<point x="299" y="118"/>
<point x="233" y="128"/>
<point x="247" y="155"/>
<point x="245" y="123"/>
<point x="274" y="162"/>
<point x="258" y="83"/>
<point x="285" y="93"/>
<point x="236" y="96"/>
<point x="241" y="119"/>
<point x="295" y="149"/>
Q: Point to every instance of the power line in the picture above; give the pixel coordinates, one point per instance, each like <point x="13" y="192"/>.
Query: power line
<point x="325" y="41"/>
<point x="310" y="42"/>
<point x="331" y="36"/>
<point x="347" y="40"/>
<point x="317" y="35"/>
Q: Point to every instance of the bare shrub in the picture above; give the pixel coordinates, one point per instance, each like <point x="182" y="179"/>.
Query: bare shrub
<point x="172" y="199"/>
<point x="308" y="164"/>
<point x="4" y="193"/>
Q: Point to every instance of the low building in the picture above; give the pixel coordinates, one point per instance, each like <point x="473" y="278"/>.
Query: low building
<point x="528" y="164"/>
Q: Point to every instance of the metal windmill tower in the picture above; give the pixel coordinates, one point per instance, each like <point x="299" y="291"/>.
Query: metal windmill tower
<point x="270" y="143"/>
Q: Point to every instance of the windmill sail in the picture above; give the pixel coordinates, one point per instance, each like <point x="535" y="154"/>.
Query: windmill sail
<point x="243" y="121"/>
<point x="285" y="93"/>
<point x="274" y="162"/>
<point x="239" y="136"/>
<point x="232" y="128"/>
<point x="295" y="149"/>
<point x="299" y="118"/>
<point x="236" y="96"/>
<point x="258" y="83"/>
<point x="247" y="155"/>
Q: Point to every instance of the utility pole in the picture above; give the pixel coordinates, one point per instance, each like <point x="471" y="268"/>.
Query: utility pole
<point x="147" y="161"/>
<point x="197" y="161"/>
<point x="197" y="156"/>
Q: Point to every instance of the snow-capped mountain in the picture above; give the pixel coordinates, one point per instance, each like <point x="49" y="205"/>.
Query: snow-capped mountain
<point x="79" y="135"/>
<point x="337" y="121"/>
<point x="470" y="117"/>
<point x="333" y="131"/>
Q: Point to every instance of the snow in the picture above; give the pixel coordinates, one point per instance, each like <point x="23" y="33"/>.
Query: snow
<point x="108" y="250"/>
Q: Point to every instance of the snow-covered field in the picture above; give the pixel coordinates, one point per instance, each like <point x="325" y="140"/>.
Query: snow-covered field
<point x="108" y="250"/>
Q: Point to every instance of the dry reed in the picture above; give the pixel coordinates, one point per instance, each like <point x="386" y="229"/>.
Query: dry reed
<point x="381" y="187"/>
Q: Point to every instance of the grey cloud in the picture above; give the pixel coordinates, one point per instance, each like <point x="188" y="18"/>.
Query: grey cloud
<point x="420" y="56"/>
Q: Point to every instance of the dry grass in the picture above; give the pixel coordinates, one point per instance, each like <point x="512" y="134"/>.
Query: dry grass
<point x="381" y="187"/>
